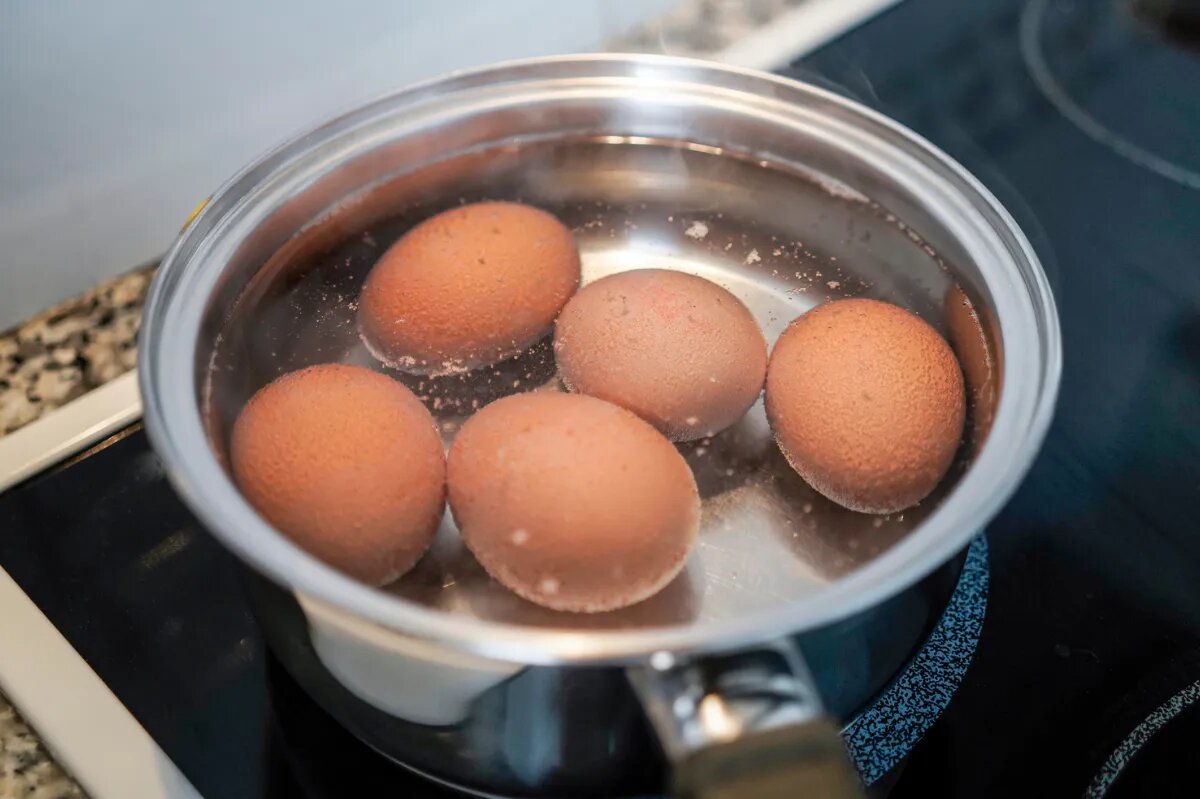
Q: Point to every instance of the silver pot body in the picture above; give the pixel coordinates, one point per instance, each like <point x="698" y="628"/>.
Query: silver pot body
<point x="788" y="195"/>
<point x="553" y="731"/>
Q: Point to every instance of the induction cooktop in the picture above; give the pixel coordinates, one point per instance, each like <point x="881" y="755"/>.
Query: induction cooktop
<point x="1079" y="616"/>
<point x="1084" y="119"/>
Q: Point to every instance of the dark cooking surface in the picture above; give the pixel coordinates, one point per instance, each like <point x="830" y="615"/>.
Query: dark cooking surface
<point x="1096" y="562"/>
<point x="1093" y="616"/>
<point x="156" y="607"/>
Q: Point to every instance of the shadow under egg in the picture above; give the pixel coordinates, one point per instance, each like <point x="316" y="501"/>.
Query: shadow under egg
<point x="833" y="540"/>
<point x="450" y="578"/>
<point x="725" y="461"/>
<point x="451" y="398"/>
<point x="674" y="604"/>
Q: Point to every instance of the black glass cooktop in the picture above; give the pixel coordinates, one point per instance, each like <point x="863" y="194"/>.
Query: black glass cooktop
<point x="1084" y="120"/>
<point x="1086" y="124"/>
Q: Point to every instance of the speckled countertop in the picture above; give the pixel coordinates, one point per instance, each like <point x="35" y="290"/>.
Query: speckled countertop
<point x="48" y="361"/>
<point x="70" y="349"/>
<point x="26" y="770"/>
<point x="83" y="343"/>
<point x="702" y="28"/>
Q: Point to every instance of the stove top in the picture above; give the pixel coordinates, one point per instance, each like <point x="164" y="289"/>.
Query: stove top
<point x="1082" y="118"/>
<point x="156" y="608"/>
<point x="1084" y="121"/>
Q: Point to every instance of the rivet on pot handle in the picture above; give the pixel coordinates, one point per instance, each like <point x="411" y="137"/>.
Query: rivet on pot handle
<point x="747" y="725"/>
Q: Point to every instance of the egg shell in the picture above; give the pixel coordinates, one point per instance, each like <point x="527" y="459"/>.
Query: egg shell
<point x="676" y="349"/>
<point x="347" y="463"/>
<point x="468" y="287"/>
<point x="867" y="403"/>
<point x="571" y="502"/>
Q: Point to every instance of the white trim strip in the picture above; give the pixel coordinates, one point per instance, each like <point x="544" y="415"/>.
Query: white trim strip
<point x="799" y="32"/>
<point x="69" y="429"/>
<point x="85" y="726"/>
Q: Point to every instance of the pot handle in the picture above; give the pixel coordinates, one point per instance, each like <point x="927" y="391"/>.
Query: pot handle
<point x="747" y="725"/>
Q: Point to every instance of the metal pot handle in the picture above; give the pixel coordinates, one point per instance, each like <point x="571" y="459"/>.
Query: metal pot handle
<point x="747" y="725"/>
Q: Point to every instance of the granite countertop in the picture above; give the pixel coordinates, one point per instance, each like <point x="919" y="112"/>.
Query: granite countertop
<point x="83" y="343"/>
<point x="46" y="362"/>
<point x="701" y="28"/>
<point x="70" y="349"/>
<point x="26" y="770"/>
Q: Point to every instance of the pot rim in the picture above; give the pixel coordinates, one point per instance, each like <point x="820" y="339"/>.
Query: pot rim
<point x="1023" y="305"/>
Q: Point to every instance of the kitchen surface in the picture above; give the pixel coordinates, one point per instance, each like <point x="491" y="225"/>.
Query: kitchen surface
<point x="1067" y="641"/>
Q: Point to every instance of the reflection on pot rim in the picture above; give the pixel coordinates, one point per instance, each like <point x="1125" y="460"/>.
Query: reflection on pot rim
<point x="653" y="96"/>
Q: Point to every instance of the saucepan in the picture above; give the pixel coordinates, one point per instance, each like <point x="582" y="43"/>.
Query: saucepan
<point x="791" y="612"/>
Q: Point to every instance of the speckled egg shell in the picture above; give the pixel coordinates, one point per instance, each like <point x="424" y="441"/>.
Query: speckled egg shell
<point x="468" y="287"/>
<point x="678" y="350"/>
<point x="347" y="463"/>
<point x="867" y="403"/>
<point x="571" y="502"/>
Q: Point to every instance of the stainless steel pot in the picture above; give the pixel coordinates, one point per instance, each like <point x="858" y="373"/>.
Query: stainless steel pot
<point x="791" y="608"/>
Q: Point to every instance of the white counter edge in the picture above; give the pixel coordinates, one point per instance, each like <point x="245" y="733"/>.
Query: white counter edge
<point x="799" y="32"/>
<point x="84" y="726"/>
<point x="68" y="430"/>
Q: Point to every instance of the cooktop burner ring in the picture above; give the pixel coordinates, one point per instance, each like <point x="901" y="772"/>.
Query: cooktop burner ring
<point x="1031" y="37"/>
<point x="1138" y="737"/>
<point x="881" y="737"/>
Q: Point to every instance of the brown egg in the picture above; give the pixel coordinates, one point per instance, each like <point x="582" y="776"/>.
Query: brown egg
<point x="678" y="350"/>
<point x="867" y="403"/>
<point x="468" y="287"/>
<point x="347" y="463"/>
<point x="571" y="502"/>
